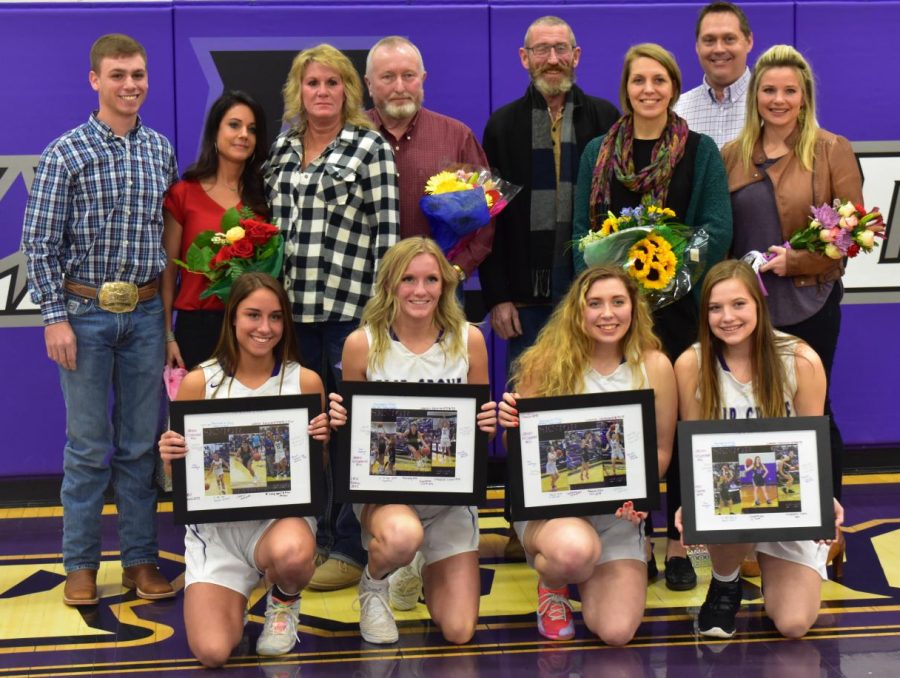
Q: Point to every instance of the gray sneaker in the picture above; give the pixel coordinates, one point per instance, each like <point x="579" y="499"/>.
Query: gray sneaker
<point x="279" y="634"/>
<point x="376" y="621"/>
<point x="406" y="584"/>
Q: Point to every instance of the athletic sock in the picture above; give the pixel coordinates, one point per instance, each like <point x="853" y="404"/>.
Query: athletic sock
<point x="727" y="578"/>
<point x="281" y="596"/>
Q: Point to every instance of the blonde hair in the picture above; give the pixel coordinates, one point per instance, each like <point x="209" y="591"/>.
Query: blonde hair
<point x="660" y="55"/>
<point x="352" y="112"/>
<point x="381" y="310"/>
<point x="766" y="353"/>
<point x="781" y="56"/>
<point x="556" y="364"/>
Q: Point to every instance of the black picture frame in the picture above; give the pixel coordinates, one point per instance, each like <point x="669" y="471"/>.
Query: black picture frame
<point x="549" y="425"/>
<point x="379" y="411"/>
<point x="216" y="427"/>
<point x="734" y="484"/>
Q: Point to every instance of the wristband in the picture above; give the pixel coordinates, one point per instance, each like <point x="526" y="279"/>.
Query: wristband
<point x="170" y="336"/>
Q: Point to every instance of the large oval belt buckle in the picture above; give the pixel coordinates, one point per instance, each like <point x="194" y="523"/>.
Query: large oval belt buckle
<point x="118" y="297"/>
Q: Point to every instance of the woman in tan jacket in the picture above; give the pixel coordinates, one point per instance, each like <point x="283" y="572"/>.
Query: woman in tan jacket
<point x="782" y="164"/>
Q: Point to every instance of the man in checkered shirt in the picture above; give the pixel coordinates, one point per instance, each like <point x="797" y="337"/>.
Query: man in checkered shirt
<point x="717" y="107"/>
<point x="92" y="234"/>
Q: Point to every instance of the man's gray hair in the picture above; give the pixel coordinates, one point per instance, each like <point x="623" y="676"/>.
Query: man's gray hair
<point x="550" y="21"/>
<point x="393" y="42"/>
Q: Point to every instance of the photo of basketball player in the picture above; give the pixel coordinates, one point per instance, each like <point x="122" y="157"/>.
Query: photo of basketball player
<point x="616" y="447"/>
<point x="554" y="455"/>
<point x="756" y="473"/>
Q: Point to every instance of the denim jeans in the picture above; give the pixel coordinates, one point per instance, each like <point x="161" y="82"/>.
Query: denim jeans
<point x="122" y="353"/>
<point x="321" y="345"/>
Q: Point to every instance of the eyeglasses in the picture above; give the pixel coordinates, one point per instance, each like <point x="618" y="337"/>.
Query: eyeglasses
<point x="562" y="49"/>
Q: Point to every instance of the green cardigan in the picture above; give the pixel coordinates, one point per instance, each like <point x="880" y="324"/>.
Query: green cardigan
<point x="709" y="206"/>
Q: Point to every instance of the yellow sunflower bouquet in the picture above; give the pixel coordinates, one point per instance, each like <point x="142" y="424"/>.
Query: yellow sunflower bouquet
<point x="664" y="256"/>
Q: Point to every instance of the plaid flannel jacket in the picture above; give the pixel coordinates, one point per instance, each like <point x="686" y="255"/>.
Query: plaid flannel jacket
<point x="339" y="216"/>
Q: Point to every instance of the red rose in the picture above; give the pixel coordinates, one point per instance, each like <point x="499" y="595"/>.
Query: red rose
<point x="243" y="248"/>
<point x="853" y="250"/>
<point x="258" y="232"/>
<point x="222" y="256"/>
<point x="861" y="210"/>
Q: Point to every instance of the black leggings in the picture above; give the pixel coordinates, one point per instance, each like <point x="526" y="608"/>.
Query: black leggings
<point x="821" y="332"/>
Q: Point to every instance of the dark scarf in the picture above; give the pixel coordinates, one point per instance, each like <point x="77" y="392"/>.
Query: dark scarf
<point x="551" y="200"/>
<point x="615" y="160"/>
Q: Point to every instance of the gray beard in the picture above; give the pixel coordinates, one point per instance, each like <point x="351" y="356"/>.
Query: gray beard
<point x="401" y="111"/>
<point x="549" y="90"/>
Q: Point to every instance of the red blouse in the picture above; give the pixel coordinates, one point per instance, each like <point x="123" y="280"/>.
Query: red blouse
<point x="191" y="207"/>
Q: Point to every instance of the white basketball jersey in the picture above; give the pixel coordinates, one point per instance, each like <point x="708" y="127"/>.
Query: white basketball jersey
<point x="218" y="385"/>
<point x="434" y="365"/>
<point x="622" y="379"/>
<point x="738" y="399"/>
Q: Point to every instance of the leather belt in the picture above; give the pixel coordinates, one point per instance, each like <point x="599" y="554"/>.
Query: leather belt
<point x="115" y="297"/>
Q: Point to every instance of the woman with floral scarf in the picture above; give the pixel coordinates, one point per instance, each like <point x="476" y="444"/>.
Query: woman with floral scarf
<point x="650" y="152"/>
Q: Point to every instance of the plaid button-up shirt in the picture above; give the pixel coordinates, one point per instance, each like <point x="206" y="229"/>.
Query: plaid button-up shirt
<point x="339" y="216"/>
<point x="95" y="211"/>
<point x="722" y="120"/>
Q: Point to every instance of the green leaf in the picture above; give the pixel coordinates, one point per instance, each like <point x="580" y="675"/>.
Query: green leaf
<point x="198" y="258"/>
<point x="230" y="219"/>
<point x="204" y="238"/>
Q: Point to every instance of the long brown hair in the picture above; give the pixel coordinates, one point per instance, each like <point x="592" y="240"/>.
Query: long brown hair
<point x="766" y="364"/>
<point x="227" y="351"/>
<point x="556" y="364"/>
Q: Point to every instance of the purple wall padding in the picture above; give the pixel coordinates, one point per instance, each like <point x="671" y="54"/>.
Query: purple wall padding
<point x="470" y="51"/>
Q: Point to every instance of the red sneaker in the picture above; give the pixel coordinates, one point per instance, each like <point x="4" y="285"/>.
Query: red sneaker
<point x="554" y="613"/>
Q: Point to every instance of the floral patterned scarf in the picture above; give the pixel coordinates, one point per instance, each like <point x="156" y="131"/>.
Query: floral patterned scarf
<point x="616" y="160"/>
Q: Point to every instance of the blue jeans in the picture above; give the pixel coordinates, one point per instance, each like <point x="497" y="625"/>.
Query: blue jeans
<point x="321" y="345"/>
<point x="123" y="352"/>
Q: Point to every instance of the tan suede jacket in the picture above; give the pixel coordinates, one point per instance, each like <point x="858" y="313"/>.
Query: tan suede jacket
<point x="835" y="174"/>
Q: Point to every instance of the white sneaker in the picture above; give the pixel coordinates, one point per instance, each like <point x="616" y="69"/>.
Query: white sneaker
<point x="279" y="634"/>
<point x="376" y="622"/>
<point x="406" y="584"/>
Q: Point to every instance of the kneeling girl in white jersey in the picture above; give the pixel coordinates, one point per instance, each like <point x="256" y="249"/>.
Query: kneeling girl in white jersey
<point x="256" y="356"/>
<point x="413" y="329"/>
<point x="599" y="339"/>
<point x="742" y="368"/>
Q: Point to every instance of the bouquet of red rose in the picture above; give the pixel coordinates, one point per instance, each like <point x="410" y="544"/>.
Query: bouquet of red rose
<point x="459" y="202"/>
<point x="244" y="242"/>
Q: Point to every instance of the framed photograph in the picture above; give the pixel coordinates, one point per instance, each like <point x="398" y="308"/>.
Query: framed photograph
<point x="753" y="480"/>
<point x="247" y="459"/>
<point x="412" y="443"/>
<point x="583" y="455"/>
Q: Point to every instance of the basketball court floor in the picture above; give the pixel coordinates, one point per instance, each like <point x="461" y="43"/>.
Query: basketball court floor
<point x="857" y="633"/>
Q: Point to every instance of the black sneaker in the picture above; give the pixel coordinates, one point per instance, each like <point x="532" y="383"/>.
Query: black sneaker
<point x="723" y="600"/>
<point x="680" y="575"/>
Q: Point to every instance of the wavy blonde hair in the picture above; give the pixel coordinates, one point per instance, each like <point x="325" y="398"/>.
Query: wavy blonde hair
<point x="781" y="56"/>
<point x="381" y="310"/>
<point x="556" y="364"/>
<point x="766" y="354"/>
<point x="352" y="112"/>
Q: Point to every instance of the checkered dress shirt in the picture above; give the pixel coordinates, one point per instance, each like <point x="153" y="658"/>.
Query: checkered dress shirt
<point x="95" y="211"/>
<point x="339" y="216"/>
<point x="722" y="120"/>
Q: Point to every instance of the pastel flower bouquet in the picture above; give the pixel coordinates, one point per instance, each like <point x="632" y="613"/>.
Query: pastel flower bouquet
<point x="663" y="256"/>
<point x="839" y="230"/>
<point x="244" y="242"/>
<point x="459" y="202"/>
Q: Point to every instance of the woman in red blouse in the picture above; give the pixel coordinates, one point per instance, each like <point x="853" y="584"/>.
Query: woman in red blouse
<point x="226" y="174"/>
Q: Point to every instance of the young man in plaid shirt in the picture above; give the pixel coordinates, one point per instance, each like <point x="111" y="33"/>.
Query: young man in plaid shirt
<point x="92" y="235"/>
